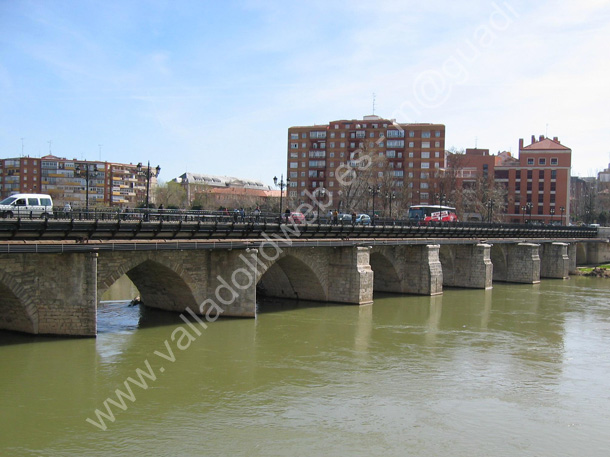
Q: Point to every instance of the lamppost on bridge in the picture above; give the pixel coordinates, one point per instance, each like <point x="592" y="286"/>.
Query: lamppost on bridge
<point x="529" y="206"/>
<point x="490" y="210"/>
<point x="282" y="185"/>
<point x="322" y="194"/>
<point x="523" y="210"/>
<point x="148" y="174"/>
<point x="562" y="209"/>
<point x="440" y="198"/>
<point x="390" y="196"/>
<point x="88" y="171"/>
<point x="374" y="190"/>
<point x="552" y="211"/>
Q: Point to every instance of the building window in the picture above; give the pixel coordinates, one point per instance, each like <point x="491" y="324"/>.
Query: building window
<point x="396" y="143"/>
<point x="294" y="174"/>
<point x="294" y="165"/>
<point x="529" y="174"/>
<point x="437" y="154"/>
<point x="553" y="174"/>
<point x="541" y="175"/>
<point x="294" y="145"/>
<point x="425" y="134"/>
<point x="411" y="134"/>
<point x="554" y="161"/>
<point x="425" y="144"/>
<point x="411" y="144"/>
<point x="530" y="161"/>
<point x="541" y="161"/>
<point x="410" y="155"/>
<point x="395" y="133"/>
<point x="425" y="155"/>
<point x="332" y="135"/>
<point x="294" y="136"/>
<point x="437" y="133"/>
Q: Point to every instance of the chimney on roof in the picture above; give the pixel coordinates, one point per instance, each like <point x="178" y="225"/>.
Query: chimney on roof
<point x="541" y="137"/>
<point x="520" y="143"/>
<point x="533" y="139"/>
<point x="556" y="139"/>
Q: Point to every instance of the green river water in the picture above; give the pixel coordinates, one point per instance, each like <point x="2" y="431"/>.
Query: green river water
<point x="519" y="370"/>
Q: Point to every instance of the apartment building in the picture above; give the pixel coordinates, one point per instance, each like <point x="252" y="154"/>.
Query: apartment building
<point x="318" y="155"/>
<point x="537" y="182"/>
<point x="67" y="180"/>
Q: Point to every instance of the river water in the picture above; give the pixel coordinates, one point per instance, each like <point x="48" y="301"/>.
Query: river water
<point x="520" y="370"/>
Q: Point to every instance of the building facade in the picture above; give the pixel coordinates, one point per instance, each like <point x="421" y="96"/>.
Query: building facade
<point x="212" y="191"/>
<point x="406" y="157"/>
<point x="68" y="181"/>
<point x="536" y="183"/>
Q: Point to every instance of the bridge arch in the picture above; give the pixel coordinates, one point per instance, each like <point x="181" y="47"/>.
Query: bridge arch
<point x="293" y="275"/>
<point x="581" y="254"/>
<point x="162" y="283"/>
<point x="385" y="275"/>
<point x="499" y="260"/>
<point x="17" y="309"/>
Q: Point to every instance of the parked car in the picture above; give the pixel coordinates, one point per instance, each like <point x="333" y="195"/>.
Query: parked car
<point x="363" y="219"/>
<point x="344" y="217"/>
<point x="296" y="218"/>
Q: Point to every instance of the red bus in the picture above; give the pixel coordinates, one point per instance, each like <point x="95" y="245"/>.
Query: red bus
<point x="428" y="213"/>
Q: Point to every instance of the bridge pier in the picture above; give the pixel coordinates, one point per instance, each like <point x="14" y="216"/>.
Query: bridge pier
<point x="572" y="249"/>
<point x="516" y="262"/>
<point x="350" y="275"/>
<point x="467" y="265"/>
<point x="554" y="262"/>
<point x="49" y="293"/>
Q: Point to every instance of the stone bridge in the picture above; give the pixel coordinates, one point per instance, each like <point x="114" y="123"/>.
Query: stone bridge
<point x="53" y="288"/>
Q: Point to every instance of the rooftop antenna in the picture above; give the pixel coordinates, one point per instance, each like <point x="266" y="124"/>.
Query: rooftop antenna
<point x="50" y="143"/>
<point x="22" y="146"/>
<point x="373" y="103"/>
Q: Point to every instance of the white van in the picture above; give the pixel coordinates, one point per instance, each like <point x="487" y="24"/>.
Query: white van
<point x="27" y="205"/>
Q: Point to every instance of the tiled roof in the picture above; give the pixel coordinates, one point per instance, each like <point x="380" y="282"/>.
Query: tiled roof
<point x="545" y="145"/>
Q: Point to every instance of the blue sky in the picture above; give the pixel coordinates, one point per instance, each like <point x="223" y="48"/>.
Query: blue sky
<point x="212" y="87"/>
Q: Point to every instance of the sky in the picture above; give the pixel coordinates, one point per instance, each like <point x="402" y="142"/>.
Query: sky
<point x="212" y="87"/>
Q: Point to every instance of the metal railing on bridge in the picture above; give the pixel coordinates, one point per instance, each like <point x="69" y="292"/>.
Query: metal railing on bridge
<point x="220" y="225"/>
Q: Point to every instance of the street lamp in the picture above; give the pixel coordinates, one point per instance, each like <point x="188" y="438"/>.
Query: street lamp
<point x="523" y="210"/>
<point x="148" y="173"/>
<point x="562" y="209"/>
<point x="390" y="196"/>
<point x="490" y="210"/>
<point x="374" y="191"/>
<point x="282" y="185"/>
<point x="440" y="198"/>
<point x="552" y="211"/>
<point x="89" y="171"/>
<point x="529" y="206"/>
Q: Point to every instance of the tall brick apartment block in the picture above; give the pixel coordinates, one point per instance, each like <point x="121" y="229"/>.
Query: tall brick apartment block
<point x="414" y="153"/>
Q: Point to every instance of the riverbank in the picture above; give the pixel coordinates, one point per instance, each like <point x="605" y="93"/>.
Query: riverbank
<point x="601" y="271"/>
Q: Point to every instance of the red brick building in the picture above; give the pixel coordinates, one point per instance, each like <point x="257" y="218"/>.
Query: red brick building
<point x="413" y="154"/>
<point x="537" y="182"/>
